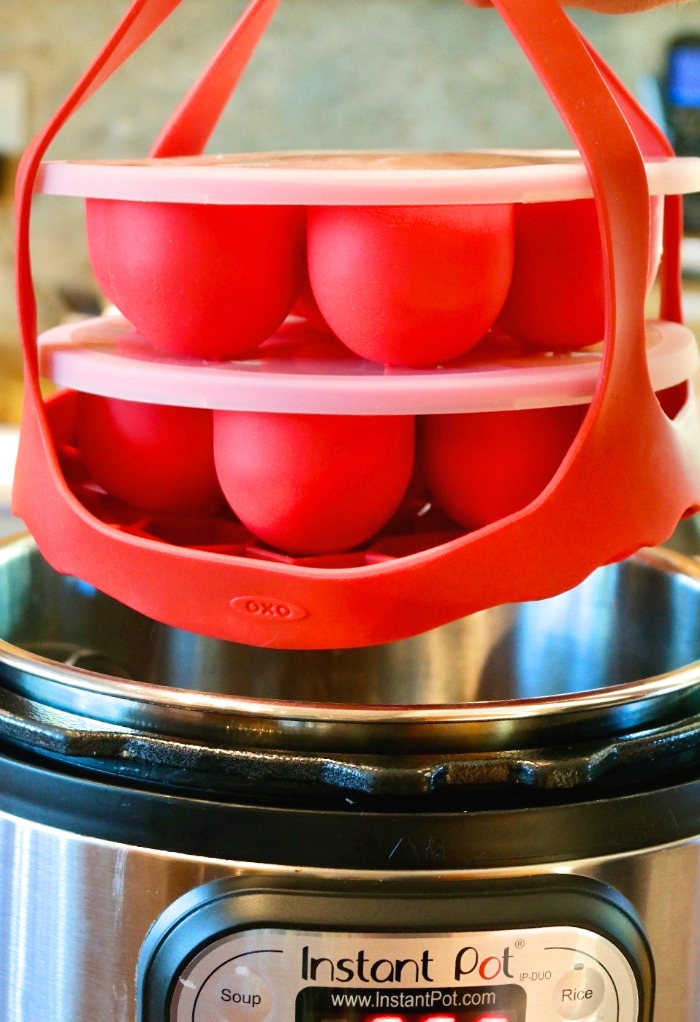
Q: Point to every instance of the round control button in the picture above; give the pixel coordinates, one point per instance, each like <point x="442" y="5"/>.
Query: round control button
<point x="233" y="993"/>
<point x="579" y="992"/>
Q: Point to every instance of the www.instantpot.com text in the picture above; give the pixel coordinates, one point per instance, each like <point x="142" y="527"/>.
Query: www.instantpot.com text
<point x="377" y="1000"/>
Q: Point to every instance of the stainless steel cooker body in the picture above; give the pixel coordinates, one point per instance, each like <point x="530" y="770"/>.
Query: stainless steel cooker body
<point x="534" y="762"/>
<point x="76" y="912"/>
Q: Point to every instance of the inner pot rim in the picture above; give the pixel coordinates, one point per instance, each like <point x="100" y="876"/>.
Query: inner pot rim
<point x="273" y="723"/>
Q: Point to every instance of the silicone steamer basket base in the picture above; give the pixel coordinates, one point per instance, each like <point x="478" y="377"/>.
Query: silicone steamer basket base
<point x="630" y="475"/>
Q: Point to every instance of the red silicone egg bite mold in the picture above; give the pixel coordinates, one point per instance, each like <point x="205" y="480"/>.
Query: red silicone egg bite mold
<point x="363" y="394"/>
<point x="315" y="451"/>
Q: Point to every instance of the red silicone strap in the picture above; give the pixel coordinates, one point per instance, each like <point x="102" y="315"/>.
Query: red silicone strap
<point x="652" y="142"/>
<point x="188" y="130"/>
<point x="139" y="22"/>
<point x="615" y="167"/>
<point x="625" y="482"/>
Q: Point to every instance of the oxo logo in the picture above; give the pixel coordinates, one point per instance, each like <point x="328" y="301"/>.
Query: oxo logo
<point x="267" y="608"/>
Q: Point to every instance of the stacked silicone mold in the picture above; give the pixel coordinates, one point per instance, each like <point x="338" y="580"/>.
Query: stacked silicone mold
<point x="349" y="403"/>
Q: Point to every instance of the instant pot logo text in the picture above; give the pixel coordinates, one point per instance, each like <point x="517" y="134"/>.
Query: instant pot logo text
<point x="267" y="608"/>
<point x="363" y="968"/>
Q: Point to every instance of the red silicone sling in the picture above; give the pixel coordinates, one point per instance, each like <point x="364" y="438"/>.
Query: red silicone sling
<point x="628" y="478"/>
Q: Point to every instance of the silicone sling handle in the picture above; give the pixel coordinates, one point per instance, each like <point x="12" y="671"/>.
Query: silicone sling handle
<point x="624" y="449"/>
<point x="190" y="127"/>
<point x="652" y="142"/>
<point x="193" y="128"/>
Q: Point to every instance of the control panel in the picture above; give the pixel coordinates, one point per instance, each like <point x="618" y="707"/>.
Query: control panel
<point x="507" y="976"/>
<point x="214" y="962"/>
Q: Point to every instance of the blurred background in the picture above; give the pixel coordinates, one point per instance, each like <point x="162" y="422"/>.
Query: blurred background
<point x="347" y="73"/>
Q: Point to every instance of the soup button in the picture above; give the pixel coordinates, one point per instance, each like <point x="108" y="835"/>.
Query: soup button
<point x="233" y="993"/>
<point x="579" y="992"/>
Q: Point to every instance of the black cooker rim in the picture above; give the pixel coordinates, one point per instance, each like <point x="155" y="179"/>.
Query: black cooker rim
<point x="357" y="838"/>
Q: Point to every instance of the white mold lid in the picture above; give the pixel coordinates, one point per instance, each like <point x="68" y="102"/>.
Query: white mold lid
<point x="339" y="178"/>
<point x="305" y="370"/>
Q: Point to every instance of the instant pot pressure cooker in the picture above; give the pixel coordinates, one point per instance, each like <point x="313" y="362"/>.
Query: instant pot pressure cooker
<point x="344" y="676"/>
<point x="497" y="820"/>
